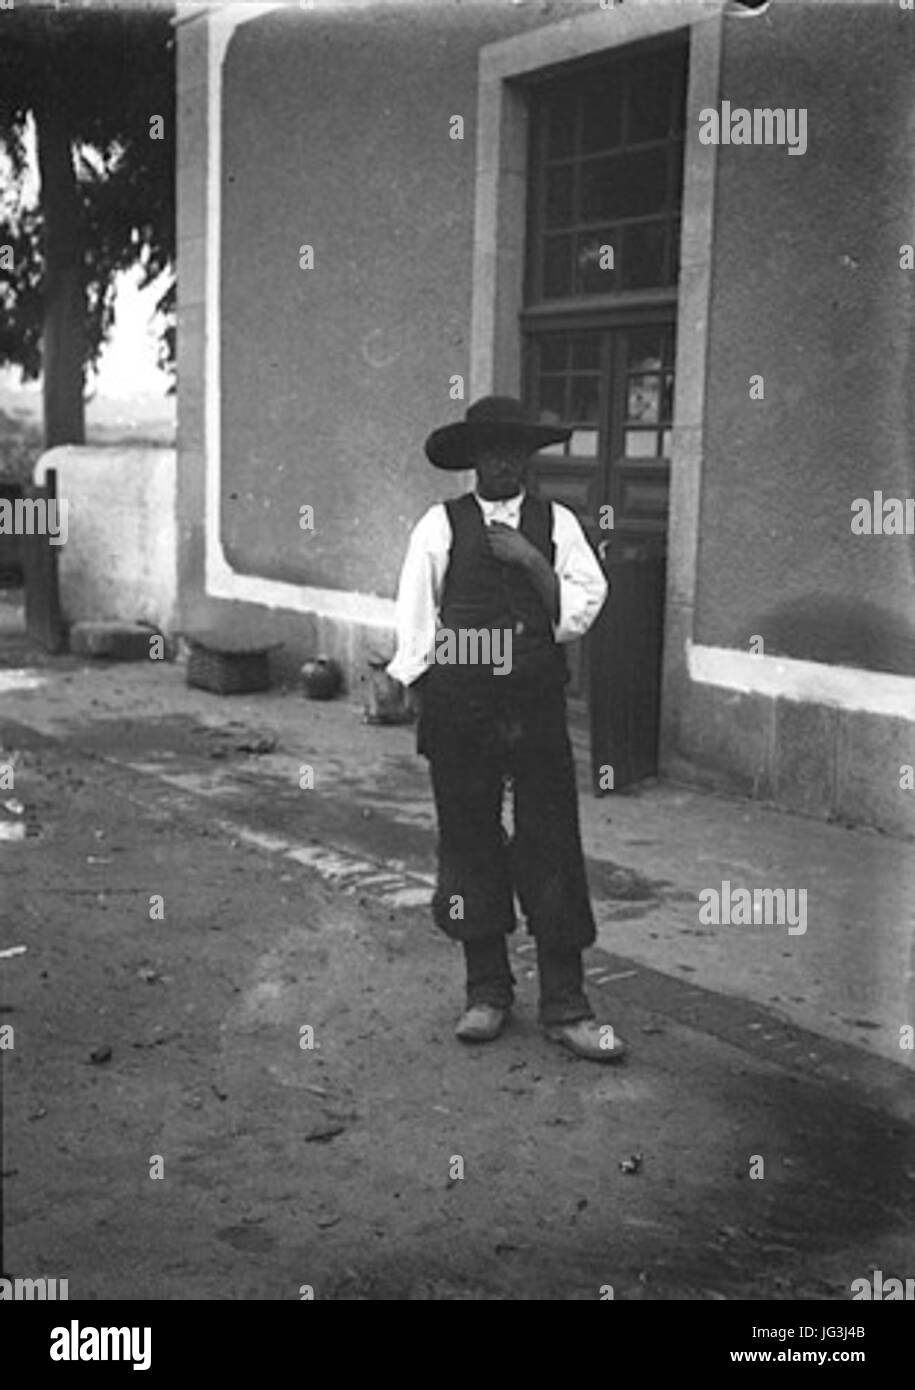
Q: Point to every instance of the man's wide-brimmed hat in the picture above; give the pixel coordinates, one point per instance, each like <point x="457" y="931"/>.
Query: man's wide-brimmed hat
<point x="490" y="420"/>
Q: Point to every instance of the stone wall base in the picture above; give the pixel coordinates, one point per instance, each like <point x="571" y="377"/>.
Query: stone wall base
<point x="813" y="759"/>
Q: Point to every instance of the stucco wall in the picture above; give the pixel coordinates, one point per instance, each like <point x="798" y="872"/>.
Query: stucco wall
<point x="345" y="435"/>
<point x="808" y="292"/>
<point x="336" y="135"/>
<point x="120" y="556"/>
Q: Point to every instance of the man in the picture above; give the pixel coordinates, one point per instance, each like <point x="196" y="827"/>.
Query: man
<point x="516" y="570"/>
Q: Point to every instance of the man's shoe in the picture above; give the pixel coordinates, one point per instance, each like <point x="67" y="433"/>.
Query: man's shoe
<point x="588" y="1038"/>
<point x="480" y="1023"/>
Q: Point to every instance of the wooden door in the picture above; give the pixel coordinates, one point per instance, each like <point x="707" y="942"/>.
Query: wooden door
<point x="613" y="385"/>
<point x="625" y="669"/>
<point x="605" y="178"/>
<point x="567" y="379"/>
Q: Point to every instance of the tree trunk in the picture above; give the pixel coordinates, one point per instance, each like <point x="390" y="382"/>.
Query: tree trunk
<point x="64" y="333"/>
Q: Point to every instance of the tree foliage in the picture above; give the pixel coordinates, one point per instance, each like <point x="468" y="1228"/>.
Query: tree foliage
<point x="88" y="78"/>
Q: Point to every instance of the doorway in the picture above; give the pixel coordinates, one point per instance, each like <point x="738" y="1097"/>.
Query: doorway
<point x="599" y="348"/>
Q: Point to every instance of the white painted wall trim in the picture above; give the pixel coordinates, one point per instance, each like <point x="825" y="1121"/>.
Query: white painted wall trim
<point x="221" y="580"/>
<point x="806" y="682"/>
<point x="580" y="36"/>
<point x="185" y="13"/>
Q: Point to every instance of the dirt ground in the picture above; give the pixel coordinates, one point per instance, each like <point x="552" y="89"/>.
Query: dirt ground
<point x="173" y="1045"/>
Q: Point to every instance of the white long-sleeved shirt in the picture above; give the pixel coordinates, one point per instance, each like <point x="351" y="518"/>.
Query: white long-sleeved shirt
<point x="582" y="586"/>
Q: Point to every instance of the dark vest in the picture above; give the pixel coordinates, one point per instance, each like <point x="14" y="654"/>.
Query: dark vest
<point x="480" y="593"/>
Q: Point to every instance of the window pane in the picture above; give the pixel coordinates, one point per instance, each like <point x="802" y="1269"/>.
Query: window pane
<point x="667" y="439"/>
<point x="553" y="352"/>
<point x="673" y="252"/>
<point x="598" y="186"/>
<point x="641" y="444"/>
<point x="643" y="399"/>
<point x="590" y="277"/>
<point x="667" y="400"/>
<point x="676" y="66"/>
<point x="644" y="255"/>
<point x="608" y="150"/>
<point x="583" y="443"/>
<point x="558" y="211"/>
<point x="557" y="270"/>
<point x="677" y="184"/>
<point x="585" y="351"/>
<point x="624" y="185"/>
<point x="585" y="395"/>
<point x="650" y="104"/>
<point x="644" y="349"/>
<point x="552" y="400"/>
<point x="561" y="125"/>
<point x="601" y="109"/>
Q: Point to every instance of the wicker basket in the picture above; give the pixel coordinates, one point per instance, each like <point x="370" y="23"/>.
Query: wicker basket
<point x="226" y="667"/>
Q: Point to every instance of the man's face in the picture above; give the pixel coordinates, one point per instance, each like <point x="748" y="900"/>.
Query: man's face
<point x="500" y="470"/>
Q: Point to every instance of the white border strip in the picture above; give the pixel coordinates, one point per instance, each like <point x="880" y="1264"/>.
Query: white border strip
<point x="221" y="580"/>
<point x="807" y="682"/>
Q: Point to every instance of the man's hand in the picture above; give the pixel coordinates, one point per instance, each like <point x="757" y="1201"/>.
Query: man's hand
<point x="512" y="548"/>
<point x="509" y="546"/>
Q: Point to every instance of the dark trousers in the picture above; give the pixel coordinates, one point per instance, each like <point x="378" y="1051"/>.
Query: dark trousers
<point x="477" y="735"/>
<point x="562" y="995"/>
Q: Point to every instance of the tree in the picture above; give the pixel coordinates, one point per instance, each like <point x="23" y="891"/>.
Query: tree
<point x="93" y="76"/>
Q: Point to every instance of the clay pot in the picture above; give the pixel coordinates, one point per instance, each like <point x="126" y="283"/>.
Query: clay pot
<point x="322" y="678"/>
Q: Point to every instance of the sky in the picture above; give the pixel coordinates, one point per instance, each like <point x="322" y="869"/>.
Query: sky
<point x="128" y="365"/>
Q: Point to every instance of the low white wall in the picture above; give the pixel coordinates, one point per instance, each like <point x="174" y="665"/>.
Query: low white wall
<point x="120" y="557"/>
